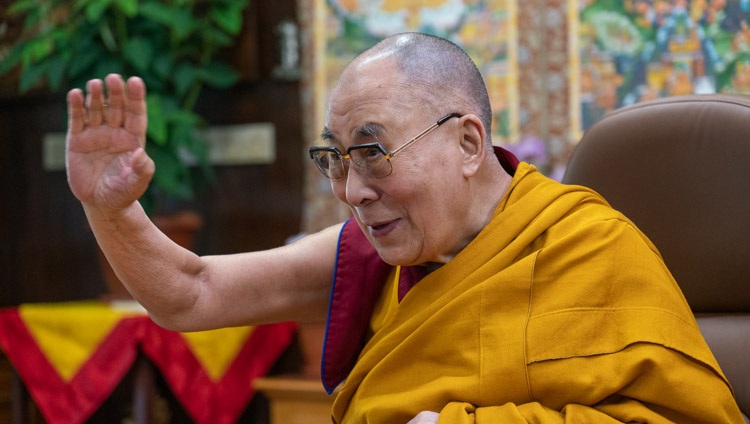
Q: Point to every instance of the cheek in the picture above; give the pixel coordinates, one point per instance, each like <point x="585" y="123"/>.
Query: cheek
<point x="435" y="201"/>
<point x="339" y="190"/>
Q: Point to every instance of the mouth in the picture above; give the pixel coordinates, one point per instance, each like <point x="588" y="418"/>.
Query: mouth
<point x="381" y="229"/>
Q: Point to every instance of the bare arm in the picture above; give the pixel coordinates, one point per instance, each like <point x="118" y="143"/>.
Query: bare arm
<point x="108" y="170"/>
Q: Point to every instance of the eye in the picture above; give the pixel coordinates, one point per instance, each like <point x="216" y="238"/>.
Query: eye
<point x="371" y="153"/>
<point x="325" y="158"/>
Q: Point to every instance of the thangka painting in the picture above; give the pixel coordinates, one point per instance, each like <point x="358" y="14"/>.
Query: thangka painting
<point x="635" y="50"/>
<point x="486" y="29"/>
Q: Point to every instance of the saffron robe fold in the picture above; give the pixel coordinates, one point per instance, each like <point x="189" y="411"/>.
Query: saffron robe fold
<point x="560" y="310"/>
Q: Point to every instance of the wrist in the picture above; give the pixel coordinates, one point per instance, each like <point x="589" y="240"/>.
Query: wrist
<point x="116" y="218"/>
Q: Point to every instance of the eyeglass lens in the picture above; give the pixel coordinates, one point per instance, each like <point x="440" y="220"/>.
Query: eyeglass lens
<point x="369" y="161"/>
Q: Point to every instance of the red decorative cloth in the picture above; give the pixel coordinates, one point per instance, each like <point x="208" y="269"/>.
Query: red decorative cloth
<point x="206" y="400"/>
<point x="71" y="356"/>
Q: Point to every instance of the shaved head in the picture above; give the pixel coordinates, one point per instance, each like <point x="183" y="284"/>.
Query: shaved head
<point x="439" y="72"/>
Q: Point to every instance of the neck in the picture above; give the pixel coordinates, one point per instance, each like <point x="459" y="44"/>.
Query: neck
<point x="484" y="192"/>
<point x="491" y="186"/>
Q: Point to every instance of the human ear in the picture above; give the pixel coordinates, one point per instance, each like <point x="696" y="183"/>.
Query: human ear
<point x="473" y="144"/>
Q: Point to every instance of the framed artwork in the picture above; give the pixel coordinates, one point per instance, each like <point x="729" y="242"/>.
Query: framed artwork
<point x="630" y="51"/>
<point x="486" y="29"/>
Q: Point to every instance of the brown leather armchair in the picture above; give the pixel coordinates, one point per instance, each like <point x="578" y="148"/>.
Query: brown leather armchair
<point x="679" y="167"/>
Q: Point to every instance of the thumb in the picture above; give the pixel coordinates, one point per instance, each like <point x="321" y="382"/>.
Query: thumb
<point x="143" y="165"/>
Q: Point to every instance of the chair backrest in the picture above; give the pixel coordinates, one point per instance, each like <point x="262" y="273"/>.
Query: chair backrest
<point x="679" y="167"/>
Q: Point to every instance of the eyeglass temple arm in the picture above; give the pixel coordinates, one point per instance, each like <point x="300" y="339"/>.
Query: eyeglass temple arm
<point x="439" y="122"/>
<point x="442" y="120"/>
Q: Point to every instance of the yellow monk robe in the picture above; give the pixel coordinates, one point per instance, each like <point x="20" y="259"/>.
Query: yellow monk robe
<point x="559" y="311"/>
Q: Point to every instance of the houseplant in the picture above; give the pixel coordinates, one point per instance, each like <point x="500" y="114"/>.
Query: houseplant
<point x="174" y="46"/>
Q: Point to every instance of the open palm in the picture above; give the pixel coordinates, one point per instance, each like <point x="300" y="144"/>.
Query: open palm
<point x="105" y="157"/>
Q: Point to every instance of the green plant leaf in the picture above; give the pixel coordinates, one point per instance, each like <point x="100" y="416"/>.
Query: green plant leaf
<point x="162" y="66"/>
<point x="186" y="118"/>
<point x="170" y="174"/>
<point x="31" y="75"/>
<point x="56" y="71"/>
<point x="155" y="11"/>
<point x="95" y="9"/>
<point x="170" y="44"/>
<point x="128" y="7"/>
<point x="139" y="53"/>
<point x="84" y="61"/>
<point x="108" y="65"/>
<point x="218" y="75"/>
<point x="182" y="25"/>
<point x="22" y="6"/>
<point x="184" y="77"/>
<point x="37" y="49"/>
<point x="107" y="36"/>
<point x="79" y="6"/>
<point x="12" y="59"/>
<point x="180" y="22"/>
<point x="157" y="124"/>
<point x="227" y="17"/>
<point x="217" y="38"/>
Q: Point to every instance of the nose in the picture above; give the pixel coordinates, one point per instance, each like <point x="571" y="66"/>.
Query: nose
<point x="359" y="189"/>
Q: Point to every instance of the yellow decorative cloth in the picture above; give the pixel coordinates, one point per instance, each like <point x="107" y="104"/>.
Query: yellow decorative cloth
<point x="215" y="349"/>
<point x="72" y="355"/>
<point x="559" y="311"/>
<point x="69" y="334"/>
<point x="211" y="372"/>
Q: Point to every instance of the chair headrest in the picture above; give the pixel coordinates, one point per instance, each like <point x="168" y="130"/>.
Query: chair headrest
<point x="679" y="167"/>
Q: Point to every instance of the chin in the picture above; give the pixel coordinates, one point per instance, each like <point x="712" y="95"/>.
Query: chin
<point x="396" y="252"/>
<point x="395" y="258"/>
<point x="389" y="255"/>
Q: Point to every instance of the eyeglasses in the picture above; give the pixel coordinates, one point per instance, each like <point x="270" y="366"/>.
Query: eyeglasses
<point x="370" y="159"/>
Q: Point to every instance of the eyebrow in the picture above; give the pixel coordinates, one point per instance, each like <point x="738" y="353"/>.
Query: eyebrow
<point x="366" y="130"/>
<point x="326" y="134"/>
<point x="369" y="129"/>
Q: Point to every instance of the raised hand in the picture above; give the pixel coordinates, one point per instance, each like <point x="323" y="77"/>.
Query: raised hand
<point x="106" y="162"/>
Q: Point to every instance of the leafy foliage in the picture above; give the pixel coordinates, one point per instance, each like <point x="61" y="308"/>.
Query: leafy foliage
<point x="173" y="45"/>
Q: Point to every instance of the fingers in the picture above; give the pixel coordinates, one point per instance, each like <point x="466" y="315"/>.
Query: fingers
<point x="135" y="117"/>
<point x="95" y="102"/>
<point x="76" y="112"/>
<point x="114" y="107"/>
<point x="123" y="105"/>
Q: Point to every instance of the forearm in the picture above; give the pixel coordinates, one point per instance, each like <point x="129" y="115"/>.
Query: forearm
<point x="161" y="275"/>
<point x="185" y="292"/>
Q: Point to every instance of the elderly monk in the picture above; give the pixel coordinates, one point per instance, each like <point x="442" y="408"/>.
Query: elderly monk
<point x="467" y="288"/>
